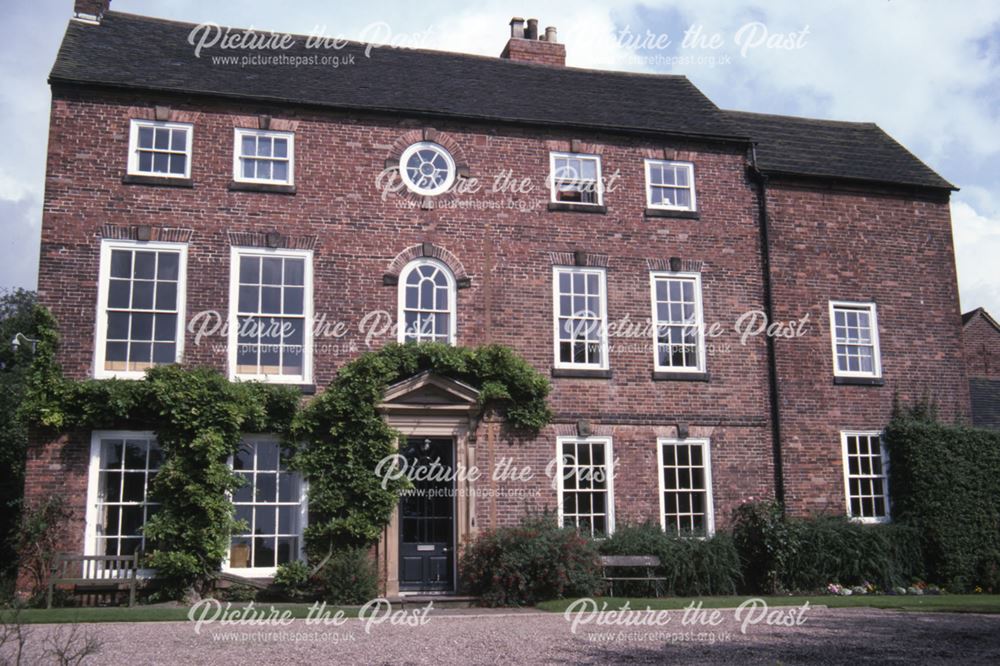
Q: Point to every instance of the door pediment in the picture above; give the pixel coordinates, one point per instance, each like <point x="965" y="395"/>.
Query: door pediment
<point x="430" y="393"/>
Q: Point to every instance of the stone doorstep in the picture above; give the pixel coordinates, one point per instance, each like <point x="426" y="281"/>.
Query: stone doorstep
<point x="440" y="601"/>
<point x="225" y="579"/>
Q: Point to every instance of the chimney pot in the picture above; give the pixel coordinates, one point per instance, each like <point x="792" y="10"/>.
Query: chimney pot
<point x="517" y="28"/>
<point x="90" y="10"/>
<point x="532" y="31"/>
<point x="525" y="45"/>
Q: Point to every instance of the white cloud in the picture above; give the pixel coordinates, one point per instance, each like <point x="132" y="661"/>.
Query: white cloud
<point x="977" y="246"/>
<point x="928" y="73"/>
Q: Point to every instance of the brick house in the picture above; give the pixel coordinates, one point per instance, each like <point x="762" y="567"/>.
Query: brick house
<point x="981" y="344"/>
<point x="184" y="191"/>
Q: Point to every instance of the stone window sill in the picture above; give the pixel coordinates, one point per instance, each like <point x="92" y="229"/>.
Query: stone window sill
<point x="679" y="214"/>
<point x="157" y="181"/>
<point x="236" y="186"/>
<point x="859" y="381"/>
<point x="565" y="207"/>
<point x="581" y="373"/>
<point x="668" y="376"/>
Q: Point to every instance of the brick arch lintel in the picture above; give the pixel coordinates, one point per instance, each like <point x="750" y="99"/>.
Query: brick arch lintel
<point x="429" y="250"/>
<point x="152" y="232"/>
<point x="443" y="139"/>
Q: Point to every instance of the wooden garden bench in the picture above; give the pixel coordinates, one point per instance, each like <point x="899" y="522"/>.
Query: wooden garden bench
<point x="646" y="563"/>
<point x="94" y="574"/>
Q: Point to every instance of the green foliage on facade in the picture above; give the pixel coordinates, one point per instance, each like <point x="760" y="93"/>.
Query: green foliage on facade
<point x="338" y="439"/>
<point x="782" y="554"/>
<point x="945" y="481"/>
<point x="19" y="313"/>
<point x="343" y="437"/>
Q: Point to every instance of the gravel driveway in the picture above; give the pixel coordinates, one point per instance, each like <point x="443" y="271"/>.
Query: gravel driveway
<point x="829" y="636"/>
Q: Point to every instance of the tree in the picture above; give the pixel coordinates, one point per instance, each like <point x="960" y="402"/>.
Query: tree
<point x="19" y="313"/>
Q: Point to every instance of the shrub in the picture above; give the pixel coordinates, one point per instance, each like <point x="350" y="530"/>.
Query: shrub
<point x="781" y="554"/>
<point x="293" y="579"/>
<point x="692" y="567"/>
<point x="945" y="481"/>
<point x="833" y="548"/>
<point x="238" y="593"/>
<point x="537" y="560"/>
<point x="349" y="577"/>
<point x="41" y="529"/>
<point x="762" y="539"/>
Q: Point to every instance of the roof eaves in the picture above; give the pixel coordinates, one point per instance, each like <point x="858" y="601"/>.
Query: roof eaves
<point x="624" y="129"/>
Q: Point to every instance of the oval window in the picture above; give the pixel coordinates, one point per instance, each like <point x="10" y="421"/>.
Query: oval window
<point x="427" y="168"/>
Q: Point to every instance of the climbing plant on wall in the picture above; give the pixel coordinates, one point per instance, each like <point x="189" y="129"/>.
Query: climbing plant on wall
<point x="338" y="439"/>
<point x="343" y="437"/>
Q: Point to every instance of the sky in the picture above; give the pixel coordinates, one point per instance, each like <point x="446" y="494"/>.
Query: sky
<point x="926" y="72"/>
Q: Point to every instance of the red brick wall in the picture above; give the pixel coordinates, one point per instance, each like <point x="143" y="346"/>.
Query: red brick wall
<point x="890" y="250"/>
<point x="826" y="246"/>
<point x="981" y="341"/>
<point x="57" y="466"/>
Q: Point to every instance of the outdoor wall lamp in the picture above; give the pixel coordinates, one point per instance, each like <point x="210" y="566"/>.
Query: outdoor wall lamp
<point x="20" y="338"/>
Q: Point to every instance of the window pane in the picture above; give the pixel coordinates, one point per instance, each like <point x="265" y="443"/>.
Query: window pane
<point x="168" y="265"/>
<point x="280" y="171"/>
<point x="178" y="164"/>
<point x="166" y="326"/>
<point x="164" y="353"/>
<point x="121" y="264"/>
<point x="270" y="300"/>
<point x="161" y="162"/>
<point x="142" y="326"/>
<point x="295" y="271"/>
<point x="271" y="270"/>
<point x="166" y="296"/>
<point x="294" y="300"/>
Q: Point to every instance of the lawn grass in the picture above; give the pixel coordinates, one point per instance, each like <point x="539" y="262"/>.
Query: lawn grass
<point x="948" y="603"/>
<point x="149" y="613"/>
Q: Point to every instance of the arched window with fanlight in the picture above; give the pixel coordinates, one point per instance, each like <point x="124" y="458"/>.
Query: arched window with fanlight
<point x="426" y="302"/>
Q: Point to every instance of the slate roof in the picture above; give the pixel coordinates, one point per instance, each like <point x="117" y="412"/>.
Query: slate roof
<point x="138" y="52"/>
<point x="985" y="402"/>
<point x="968" y="316"/>
<point x="833" y="149"/>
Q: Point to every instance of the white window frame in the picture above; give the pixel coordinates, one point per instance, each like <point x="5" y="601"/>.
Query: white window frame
<point x="876" y="372"/>
<point x="440" y="150"/>
<point x="307" y="301"/>
<point x="303" y="518"/>
<point x="239" y="133"/>
<point x="552" y="177"/>
<point x="706" y="456"/>
<point x="401" y="308"/>
<point x="649" y="185"/>
<point x="103" y="284"/>
<point x="602" y="276"/>
<point x="133" y="147"/>
<point x="609" y="469"/>
<point x="844" y="434"/>
<point x="699" y="314"/>
<point x="92" y="517"/>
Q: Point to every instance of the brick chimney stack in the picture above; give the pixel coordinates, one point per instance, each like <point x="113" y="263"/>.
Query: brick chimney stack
<point x="90" y="10"/>
<point x="526" y="45"/>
